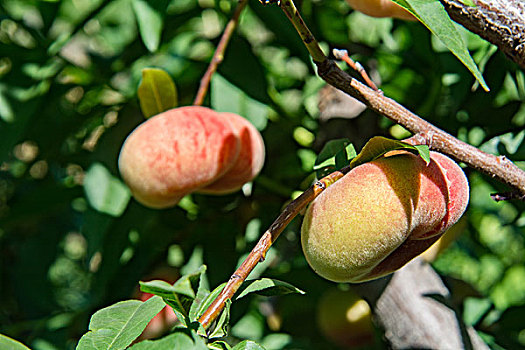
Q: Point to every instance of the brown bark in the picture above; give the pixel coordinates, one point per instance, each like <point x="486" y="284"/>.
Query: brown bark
<point x="501" y="22"/>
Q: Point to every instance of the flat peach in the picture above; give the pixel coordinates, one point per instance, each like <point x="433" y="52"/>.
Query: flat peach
<point x="175" y="153"/>
<point x="381" y="215"/>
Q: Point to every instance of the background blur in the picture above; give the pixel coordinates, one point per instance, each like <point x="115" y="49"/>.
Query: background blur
<point x="73" y="241"/>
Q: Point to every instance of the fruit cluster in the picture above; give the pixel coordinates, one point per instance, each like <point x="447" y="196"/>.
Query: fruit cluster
<point x="190" y="149"/>
<point x="381" y="215"/>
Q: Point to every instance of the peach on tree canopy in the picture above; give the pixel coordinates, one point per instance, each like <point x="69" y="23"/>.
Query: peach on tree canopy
<point x="382" y="214"/>
<point x="187" y="149"/>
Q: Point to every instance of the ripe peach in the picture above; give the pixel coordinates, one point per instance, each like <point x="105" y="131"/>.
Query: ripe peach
<point x="345" y="319"/>
<point x="189" y="149"/>
<point x="175" y="153"/>
<point x="380" y="8"/>
<point x="381" y="215"/>
<point x="249" y="162"/>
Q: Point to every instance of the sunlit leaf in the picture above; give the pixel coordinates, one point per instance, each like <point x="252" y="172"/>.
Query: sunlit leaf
<point x="268" y="287"/>
<point x="219" y="345"/>
<point x="377" y="146"/>
<point x="105" y="192"/>
<point x="335" y="155"/>
<point x="434" y="16"/>
<point x="248" y="345"/>
<point x="199" y="306"/>
<point x="173" y="341"/>
<point x="116" y="326"/>
<point x="180" y="296"/>
<point x="226" y="97"/>
<point x="157" y="92"/>
<point x="221" y="328"/>
<point x="150" y="20"/>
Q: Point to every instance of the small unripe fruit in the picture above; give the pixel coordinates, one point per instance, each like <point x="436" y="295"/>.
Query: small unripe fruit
<point x="381" y="215"/>
<point x="345" y="319"/>
<point x="380" y="8"/>
<point x="189" y="149"/>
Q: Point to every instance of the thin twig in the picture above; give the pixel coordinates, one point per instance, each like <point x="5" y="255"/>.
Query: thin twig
<point x="258" y="253"/>
<point x="343" y="55"/>
<point x="218" y="56"/>
<point x="306" y="35"/>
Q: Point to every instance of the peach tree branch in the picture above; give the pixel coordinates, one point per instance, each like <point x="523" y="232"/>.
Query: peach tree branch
<point x="500" y="167"/>
<point x="258" y="253"/>
<point x="218" y="55"/>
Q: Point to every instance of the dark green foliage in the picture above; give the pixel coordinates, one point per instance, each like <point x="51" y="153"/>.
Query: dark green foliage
<point x="72" y="241"/>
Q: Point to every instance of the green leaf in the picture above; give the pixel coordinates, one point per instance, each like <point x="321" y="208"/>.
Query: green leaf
<point x="434" y="16"/>
<point x="241" y="63"/>
<point x="116" y="326"/>
<point x="180" y="296"/>
<point x="175" y="341"/>
<point x="377" y="146"/>
<point x="105" y="192"/>
<point x="219" y="345"/>
<point x="6" y="112"/>
<point x="335" y="155"/>
<point x="160" y="288"/>
<point x="226" y="97"/>
<point x="7" y="343"/>
<point x="344" y="156"/>
<point x="248" y="345"/>
<point x="150" y="20"/>
<point x="199" y="306"/>
<point x="268" y="287"/>
<point x="475" y="309"/>
<point x="221" y="328"/>
<point x="157" y="92"/>
<point x="424" y="152"/>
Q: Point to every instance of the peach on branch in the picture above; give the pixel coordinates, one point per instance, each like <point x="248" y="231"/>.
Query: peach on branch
<point x="382" y="214"/>
<point x="380" y="8"/>
<point x="188" y="149"/>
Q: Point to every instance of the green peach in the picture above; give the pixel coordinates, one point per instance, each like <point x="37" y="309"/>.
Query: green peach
<point x="382" y="214"/>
